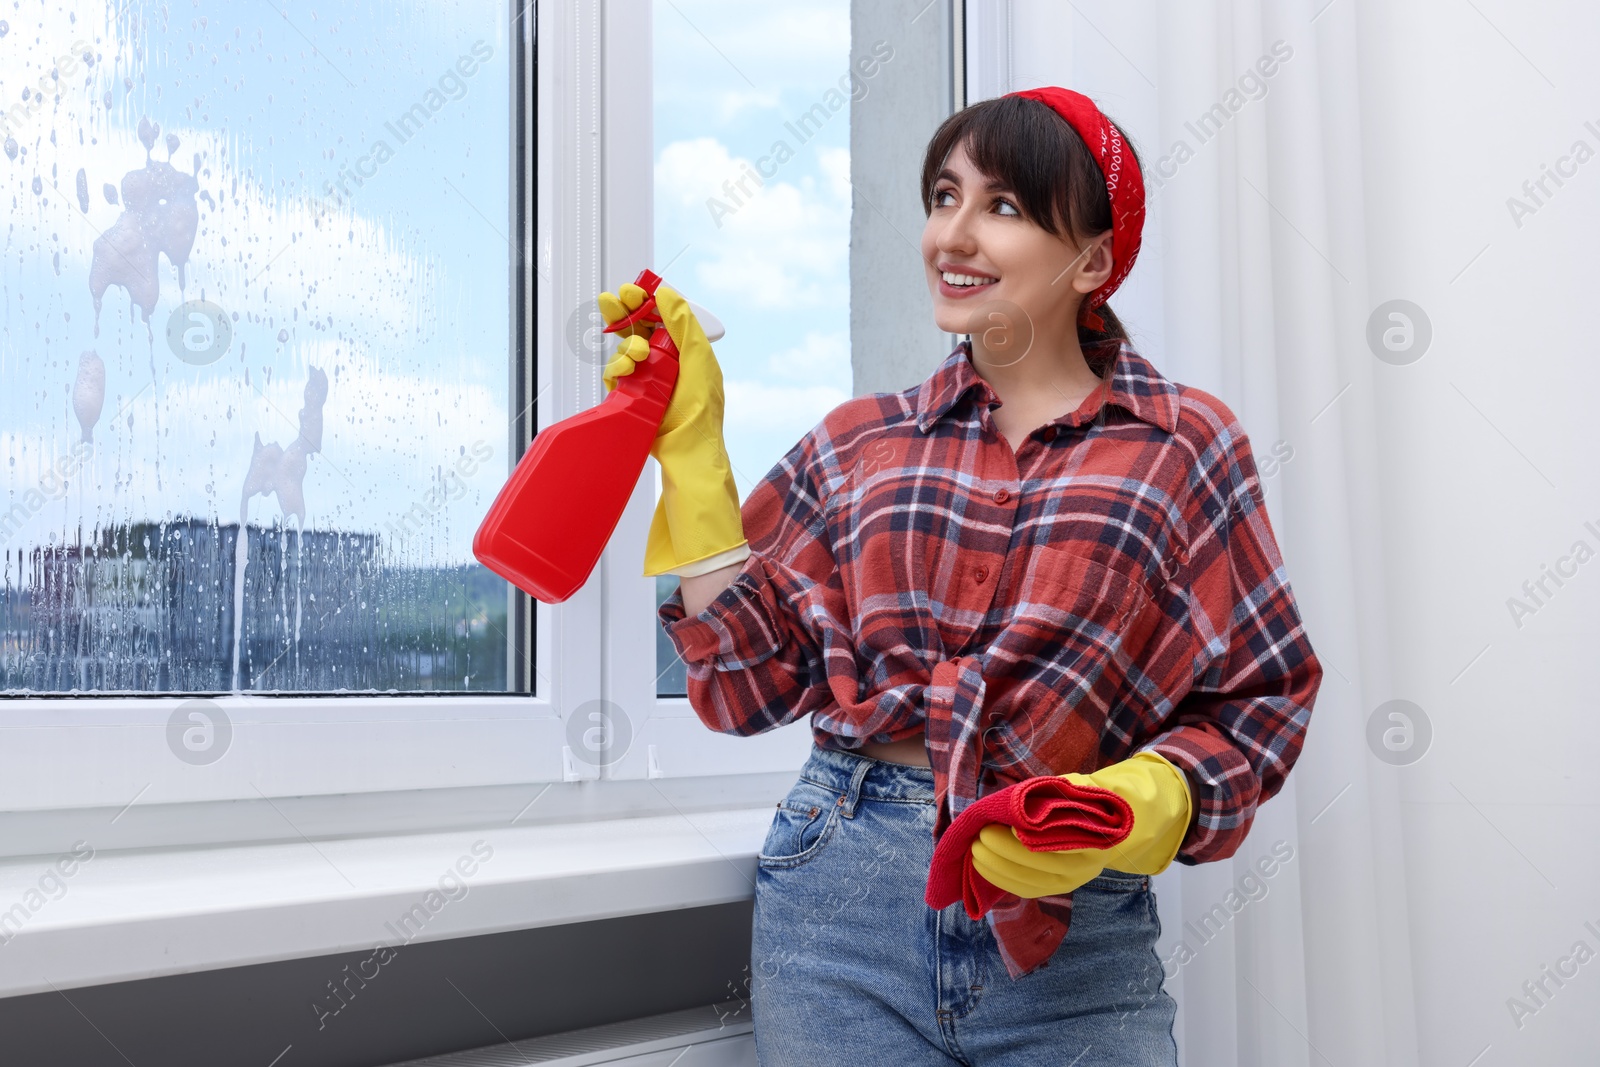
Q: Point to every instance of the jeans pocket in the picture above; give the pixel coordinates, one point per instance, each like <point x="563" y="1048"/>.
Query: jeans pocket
<point x="801" y="827"/>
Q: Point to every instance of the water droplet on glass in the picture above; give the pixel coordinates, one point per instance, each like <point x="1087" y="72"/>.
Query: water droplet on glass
<point x="283" y="335"/>
<point x="38" y="186"/>
<point x="5" y="27"/>
<point x="11" y="148"/>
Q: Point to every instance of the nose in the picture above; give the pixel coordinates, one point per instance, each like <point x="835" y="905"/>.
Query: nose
<point x="957" y="235"/>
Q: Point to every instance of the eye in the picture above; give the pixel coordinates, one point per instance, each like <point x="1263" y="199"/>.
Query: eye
<point x="1017" y="212"/>
<point x="939" y="195"/>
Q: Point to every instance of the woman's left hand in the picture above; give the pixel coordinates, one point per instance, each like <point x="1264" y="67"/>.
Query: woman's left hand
<point x="1000" y="857"/>
<point x="1158" y="793"/>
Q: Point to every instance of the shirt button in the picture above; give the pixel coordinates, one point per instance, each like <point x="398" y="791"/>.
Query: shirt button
<point x="1050" y="433"/>
<point x="1002" y="495"/>
<point x="981" y="573"/>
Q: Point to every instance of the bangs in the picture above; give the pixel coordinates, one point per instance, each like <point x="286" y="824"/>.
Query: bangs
<point x="1026" y="146"/>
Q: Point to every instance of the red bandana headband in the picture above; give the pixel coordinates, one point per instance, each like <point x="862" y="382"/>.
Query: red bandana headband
<point x="1124" y="184"/>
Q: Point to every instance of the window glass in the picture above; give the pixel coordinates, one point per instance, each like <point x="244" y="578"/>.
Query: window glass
<point x="752" y="215"/>
<point x="254" y="343"/>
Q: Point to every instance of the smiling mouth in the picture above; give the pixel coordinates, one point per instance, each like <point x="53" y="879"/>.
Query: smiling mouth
<point x="953" y="285"/>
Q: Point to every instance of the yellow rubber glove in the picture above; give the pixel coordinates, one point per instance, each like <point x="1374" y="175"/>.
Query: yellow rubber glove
<point x="696" y="527"/>
<point x="1157" y="791"/>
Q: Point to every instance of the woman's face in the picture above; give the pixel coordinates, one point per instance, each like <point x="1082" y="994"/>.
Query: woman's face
<point x="1023" y="269"/>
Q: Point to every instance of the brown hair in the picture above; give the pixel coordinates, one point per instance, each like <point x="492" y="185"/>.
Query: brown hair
<point x="1025" y="144"/>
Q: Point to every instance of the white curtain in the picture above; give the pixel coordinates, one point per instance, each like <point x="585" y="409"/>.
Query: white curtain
<point x="1409" y="899"/>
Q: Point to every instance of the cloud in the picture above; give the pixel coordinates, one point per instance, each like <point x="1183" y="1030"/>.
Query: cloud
<point x="786" y="248"/>
<point x="764" y="417"/>
<point x="818" y="357"/>
<point x="763" y="420"/>
<point x="730" y="105"/>
<point x="781" y="410"/>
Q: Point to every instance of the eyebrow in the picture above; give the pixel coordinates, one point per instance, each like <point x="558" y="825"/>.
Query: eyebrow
<point x="993" y="185"/>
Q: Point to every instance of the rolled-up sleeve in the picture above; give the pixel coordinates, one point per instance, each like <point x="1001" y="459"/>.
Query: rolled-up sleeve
<point x="1237" y="732"/>
<point x="754" y="655"/>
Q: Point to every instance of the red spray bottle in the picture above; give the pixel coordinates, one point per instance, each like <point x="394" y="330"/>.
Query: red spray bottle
<point x="547" y="527"/>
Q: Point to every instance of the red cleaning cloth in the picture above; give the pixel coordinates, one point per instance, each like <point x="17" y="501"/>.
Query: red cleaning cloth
<point x="1050" y="814"/>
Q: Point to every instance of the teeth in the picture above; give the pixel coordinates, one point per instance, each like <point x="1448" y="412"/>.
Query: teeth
<point x="965" y="279"/>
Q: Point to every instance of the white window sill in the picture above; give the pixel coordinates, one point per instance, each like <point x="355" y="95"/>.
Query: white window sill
<point x="143" y="913"/>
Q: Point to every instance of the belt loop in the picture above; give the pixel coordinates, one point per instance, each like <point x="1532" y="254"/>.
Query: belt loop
<point x="852" y="792"/>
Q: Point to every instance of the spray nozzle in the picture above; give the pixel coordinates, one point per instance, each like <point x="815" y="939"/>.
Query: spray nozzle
<point x="646" y="312"/>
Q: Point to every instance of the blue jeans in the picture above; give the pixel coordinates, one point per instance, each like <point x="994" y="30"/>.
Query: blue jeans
<point x="849" y="964"/>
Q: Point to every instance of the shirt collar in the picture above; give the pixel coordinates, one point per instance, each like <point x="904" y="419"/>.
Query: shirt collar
<point x="1134" y="384"/>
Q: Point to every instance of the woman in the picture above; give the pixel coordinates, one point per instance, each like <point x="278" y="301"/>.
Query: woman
<point x="1046" y="559"/>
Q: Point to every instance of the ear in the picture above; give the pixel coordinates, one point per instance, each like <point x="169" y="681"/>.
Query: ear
<point x="1097" y="265"/>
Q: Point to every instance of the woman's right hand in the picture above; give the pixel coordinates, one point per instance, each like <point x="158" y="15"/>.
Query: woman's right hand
<point x="696" y="527"/>
<point x="698" y="394"/>
<point x="613" y="307"/>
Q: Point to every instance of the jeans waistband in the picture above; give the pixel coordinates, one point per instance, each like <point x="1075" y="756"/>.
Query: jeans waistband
<point x="855" y="777"/>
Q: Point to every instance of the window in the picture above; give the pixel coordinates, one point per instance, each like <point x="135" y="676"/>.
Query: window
<point x="436" y="285"/>
<point x="752" y="216"/>
<point x="256" y="368"/>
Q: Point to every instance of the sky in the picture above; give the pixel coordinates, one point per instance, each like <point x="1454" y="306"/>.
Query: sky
<point x="728" y="76"/>
<point x="394" y="287"/>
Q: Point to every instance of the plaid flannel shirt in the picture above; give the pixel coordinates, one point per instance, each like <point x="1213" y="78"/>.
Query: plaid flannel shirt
<point x="1111" y="585"/>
